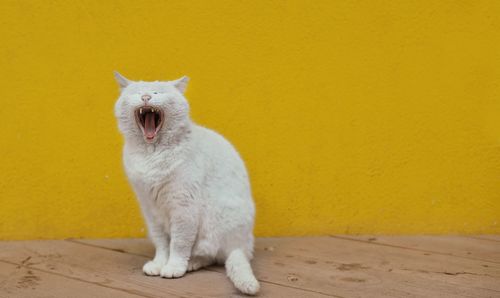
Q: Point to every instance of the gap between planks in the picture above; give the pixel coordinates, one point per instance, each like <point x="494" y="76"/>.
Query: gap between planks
<point x="350" y="238"/>
<point x="493" y="238"/>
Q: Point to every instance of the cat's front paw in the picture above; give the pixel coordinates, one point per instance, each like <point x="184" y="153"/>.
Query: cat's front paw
<point x="173" y="270"/>
<point x="152" y="268"/>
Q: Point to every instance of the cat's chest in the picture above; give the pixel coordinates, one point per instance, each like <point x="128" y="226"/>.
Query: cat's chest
<point x="149" y="169"/>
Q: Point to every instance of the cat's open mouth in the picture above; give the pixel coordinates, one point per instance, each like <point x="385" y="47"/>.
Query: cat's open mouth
<point x="150" y="120"/>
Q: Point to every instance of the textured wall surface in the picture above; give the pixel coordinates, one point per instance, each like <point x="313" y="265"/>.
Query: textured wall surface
<point x="352" y="116"/>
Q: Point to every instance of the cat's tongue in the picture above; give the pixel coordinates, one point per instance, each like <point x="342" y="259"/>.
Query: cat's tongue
<point x="149" y="126"/>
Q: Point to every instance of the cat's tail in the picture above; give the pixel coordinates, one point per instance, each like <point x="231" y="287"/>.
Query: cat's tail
<point x="240" y="273"/>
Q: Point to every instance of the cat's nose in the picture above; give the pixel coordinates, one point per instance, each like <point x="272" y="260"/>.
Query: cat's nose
<point x="146" y="97"/>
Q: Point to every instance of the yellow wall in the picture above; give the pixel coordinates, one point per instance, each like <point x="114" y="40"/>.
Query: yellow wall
<point x="352" y="116"/>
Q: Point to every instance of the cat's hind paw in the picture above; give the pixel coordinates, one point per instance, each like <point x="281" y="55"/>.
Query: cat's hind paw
<point x="194" y="265"/>
<point x="152" y="268"/>
<point x="173" y="270"/>
<point x="198" y="263"/>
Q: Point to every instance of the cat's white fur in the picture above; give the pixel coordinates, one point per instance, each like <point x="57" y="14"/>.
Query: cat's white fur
<point x="192" y="186"/>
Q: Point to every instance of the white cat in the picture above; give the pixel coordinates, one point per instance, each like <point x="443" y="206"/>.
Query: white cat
<point x="191" y="183"/>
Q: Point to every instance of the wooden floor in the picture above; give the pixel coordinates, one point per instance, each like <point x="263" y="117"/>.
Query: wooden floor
<point x="336" y="266"/>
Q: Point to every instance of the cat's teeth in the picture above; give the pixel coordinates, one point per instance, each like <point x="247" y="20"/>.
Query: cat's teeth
<point x="152" y="110"/>
<point x="140" y="111"/>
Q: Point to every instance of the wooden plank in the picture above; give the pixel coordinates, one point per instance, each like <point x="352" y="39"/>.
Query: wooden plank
<point x="123" y="271"/>
<point x="343" y="267"/>
<point x="466" y="247"/>
<point x="19" y="281"/>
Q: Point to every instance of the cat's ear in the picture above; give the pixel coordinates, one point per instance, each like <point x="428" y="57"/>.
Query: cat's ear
<point x="122" y="81"/>
<point x="181" y="84"/>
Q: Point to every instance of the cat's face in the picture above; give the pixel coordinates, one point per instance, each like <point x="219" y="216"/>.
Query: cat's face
<point x="148" y="110"/>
